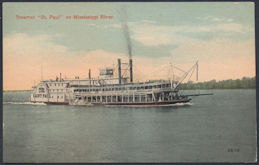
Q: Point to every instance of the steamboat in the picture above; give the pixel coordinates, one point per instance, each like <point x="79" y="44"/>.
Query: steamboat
<point x="110" y="90"/>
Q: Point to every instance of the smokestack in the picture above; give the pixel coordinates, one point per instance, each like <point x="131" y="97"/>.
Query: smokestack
<point x="89" y="74"/>
<point x="119" y="70"/>
<point x="59" y="76"/>
<point x="131" y="71"/>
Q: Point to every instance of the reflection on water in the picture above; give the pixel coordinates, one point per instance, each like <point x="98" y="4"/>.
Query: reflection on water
<point x="202" y="131"/>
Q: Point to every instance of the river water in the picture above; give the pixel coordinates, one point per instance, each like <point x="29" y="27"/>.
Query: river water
<point x="215" y="128"/>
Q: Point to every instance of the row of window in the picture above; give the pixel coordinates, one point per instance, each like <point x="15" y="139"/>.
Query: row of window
<point x="57" y="84"/>
<point x="117" y="99"/>
<point x="122" y="88"/>
<point x="58" y="97"/>
<point x="40" y="95"/>
<point x="45" y="96"/>
<point x="57" y="90"/>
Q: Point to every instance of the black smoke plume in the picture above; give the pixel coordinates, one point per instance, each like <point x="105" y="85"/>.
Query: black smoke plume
<point x="125" y="29"/>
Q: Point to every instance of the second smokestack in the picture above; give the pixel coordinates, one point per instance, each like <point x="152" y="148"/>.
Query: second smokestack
<point x="89" y="74"/>
<point x="131" y="70"/>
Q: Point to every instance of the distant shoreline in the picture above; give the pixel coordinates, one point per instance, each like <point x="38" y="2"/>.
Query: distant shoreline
<point x="244" y="83"/>
<point x="17" y="90"/>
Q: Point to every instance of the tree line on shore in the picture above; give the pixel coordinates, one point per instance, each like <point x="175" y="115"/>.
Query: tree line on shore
<point x="244" y="83"/>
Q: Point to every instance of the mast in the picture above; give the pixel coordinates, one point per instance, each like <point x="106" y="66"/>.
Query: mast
<point x="119" y="70"/>
<point x="197" y="67"/>
<point x="171" y="68"/>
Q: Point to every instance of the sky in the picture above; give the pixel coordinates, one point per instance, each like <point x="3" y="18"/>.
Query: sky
<point x="220" y="35"/>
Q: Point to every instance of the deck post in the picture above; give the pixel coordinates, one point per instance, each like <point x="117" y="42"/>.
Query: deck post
<point x="153" y="97"/>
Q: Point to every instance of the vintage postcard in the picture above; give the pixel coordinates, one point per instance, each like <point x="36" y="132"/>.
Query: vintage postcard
<point x="129" y="82"/>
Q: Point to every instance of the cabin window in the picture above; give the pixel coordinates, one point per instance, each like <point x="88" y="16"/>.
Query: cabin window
<point x="41" y="90"/>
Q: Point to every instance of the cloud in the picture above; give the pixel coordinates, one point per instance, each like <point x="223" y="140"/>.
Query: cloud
<point x="23" y="56"/>
<point x="150" y="33"/>
<point x="148" y="21"/>
<point x="154" y="34"/>
<point x="214" y="19"/>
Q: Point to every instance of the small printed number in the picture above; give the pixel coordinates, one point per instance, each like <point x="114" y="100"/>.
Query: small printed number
<point x="233" y="150"/>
